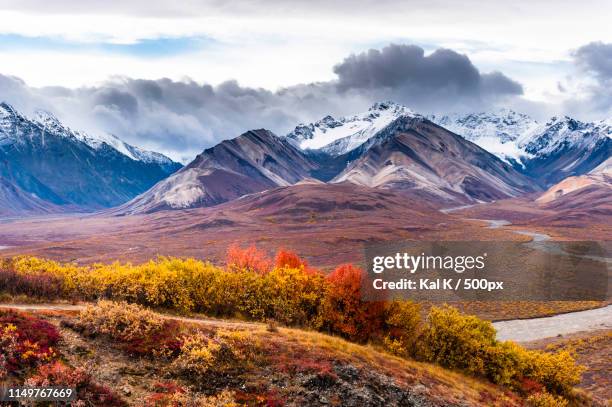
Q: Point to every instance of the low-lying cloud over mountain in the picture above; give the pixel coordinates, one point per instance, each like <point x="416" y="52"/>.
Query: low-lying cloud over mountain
<point x="181" y="118"/>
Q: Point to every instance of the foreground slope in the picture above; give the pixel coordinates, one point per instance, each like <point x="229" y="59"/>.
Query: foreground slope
<point x="289" y="367"/>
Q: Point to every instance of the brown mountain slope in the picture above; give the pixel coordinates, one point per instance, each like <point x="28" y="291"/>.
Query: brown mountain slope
<point x="255" y="161"/>
<point x="415" y="154"/>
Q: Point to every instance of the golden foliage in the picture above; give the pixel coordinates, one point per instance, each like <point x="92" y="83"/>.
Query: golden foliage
<point x="546" y="400"/>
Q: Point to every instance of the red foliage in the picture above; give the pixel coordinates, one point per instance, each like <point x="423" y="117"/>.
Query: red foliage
<point x="286" y="258"/>
<point x="25" y="342"/>
<point x="93" y="394"/>
<point x="530" y="386"/>
<point x="163" y="394"/>
<point x="32" y="285"/>
<point x="346" y="313"/>
<point x="251" y="259"/>
<point x="32" y="329"/>
<point x="167" y="337"/>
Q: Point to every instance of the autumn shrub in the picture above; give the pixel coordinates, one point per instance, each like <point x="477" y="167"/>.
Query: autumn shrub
<point x="251" y="259"/>
<point x="344" y="312"/>
<point x="35" y="285"/>
<point x="288" y="295"/>
<point x="465" y="342"/>
<point x="457" y="341"/>
<point x="201" y="354"/>
<point x="25" y="342"/>
<point x="403" y="326"/>
<point x="558" y="371"/>
<point x="137" y="329"/>
<point x="288" y="259"/>
<point x="89" y="393"/>
<point x="546" y="400"/>
<point x="170" y="394"/>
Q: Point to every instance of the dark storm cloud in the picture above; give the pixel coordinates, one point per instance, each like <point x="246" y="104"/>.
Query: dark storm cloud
<point x="183" y="117"/>
<point x="405" y="69"/>
<point x="595" y="59"/>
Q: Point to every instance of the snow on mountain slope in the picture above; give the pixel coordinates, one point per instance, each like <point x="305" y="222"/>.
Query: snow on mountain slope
<point x="418" y="156"/>
<point x="499" y="133"/>
<point x="41" y="156"/>
<point x="339" y="136"/>
<point x="548" y="152"/>
<point x="52" y="124"/>
<point x="565" y="147"/>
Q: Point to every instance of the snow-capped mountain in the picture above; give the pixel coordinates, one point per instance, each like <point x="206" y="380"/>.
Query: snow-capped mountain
<point x="50" y="123"/>
<point x="54" y="163"/>
<point x="414" y="155"/>
<point x="548" y="152"/>
<point x="339" y="136"/>
<point x="500" y="133"/>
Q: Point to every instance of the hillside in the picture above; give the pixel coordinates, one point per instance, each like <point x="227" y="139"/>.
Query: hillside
<point x="288" y="367"/>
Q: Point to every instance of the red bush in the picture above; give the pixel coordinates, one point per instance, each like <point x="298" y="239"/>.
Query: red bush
<point x="250" y="259"/>
<point x="344" y="310"/>
<point x="25" y="342"/>
<point x="91" y="393"/>
<point x="164" y="392"/>
<point x="31" y="328"/>
<point x="286" y="258"/>
<point x="32" y="285"/>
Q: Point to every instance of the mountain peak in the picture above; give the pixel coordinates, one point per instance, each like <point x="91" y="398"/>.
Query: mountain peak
<point x="338" y="136"/>
<point x="390" y="105"/>
<point x="7" y="111"/>
<point x="46" y="117"/>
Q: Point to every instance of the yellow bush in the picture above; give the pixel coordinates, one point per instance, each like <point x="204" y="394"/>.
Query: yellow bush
<point x="197" y="356"/>
<point x="404" y="325"/>
<point x="558" y="372"/>
<point x="200" y="354"/>
<point x="546" y="400"/>
<point x="457" y="341"/>
<point x="120" y="320"/>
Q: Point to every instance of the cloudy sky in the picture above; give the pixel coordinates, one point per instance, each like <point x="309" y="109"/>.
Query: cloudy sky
<point x="178" y="76"/>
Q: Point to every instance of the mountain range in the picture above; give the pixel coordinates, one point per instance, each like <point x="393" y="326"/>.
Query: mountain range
<point x="52" y="168"/>
<point x="444" y="160"/>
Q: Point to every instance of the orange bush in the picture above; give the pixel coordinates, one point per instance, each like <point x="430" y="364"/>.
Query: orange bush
<point x="288" y="259"/>
<point x="249" y="259"/>
<point x="344" y="311"/>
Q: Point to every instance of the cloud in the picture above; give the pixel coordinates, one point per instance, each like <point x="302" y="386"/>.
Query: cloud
<point x="596" y="58"/>
<point x="181" y="118"/>
<point x="593" y="81"/>
<point x="405" y="72"/>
